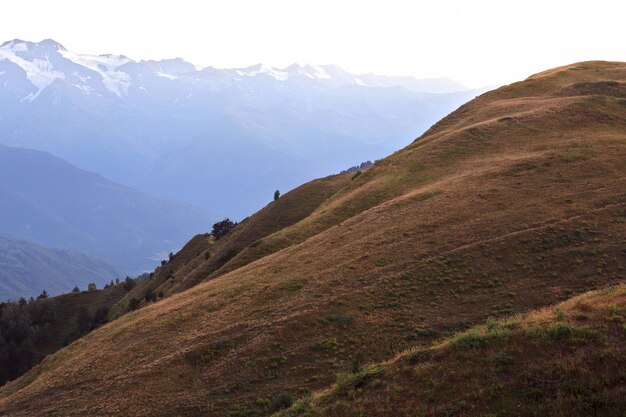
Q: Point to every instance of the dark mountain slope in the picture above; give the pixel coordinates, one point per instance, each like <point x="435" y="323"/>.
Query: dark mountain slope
<point x="514" y="202"/>
<point x="27" y="268"/>
<point x="51" y="202"/>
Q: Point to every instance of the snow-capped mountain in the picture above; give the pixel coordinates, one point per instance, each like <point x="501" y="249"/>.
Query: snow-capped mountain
<point x="48" y="60"/>
<point x="172" y="129"/>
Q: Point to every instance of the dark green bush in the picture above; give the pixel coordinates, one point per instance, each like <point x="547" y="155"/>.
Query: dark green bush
<point x="281" y="401"/>
<point x="133" y="304"/>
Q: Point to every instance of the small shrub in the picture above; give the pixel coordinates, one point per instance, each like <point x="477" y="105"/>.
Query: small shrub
<point x="419" y="356"/>
<point x="341" y="319"/>
<point x="297" y="409"/>
<point x="230" y="254"/>
<point x="133" y="304"/>
<point x="503" y="361"/>
<point x="129" y="284"/>
<point x="325" y="345"/>
<point x="292" y="285"/>
<point x="150" y="295"/>
<point x="356" y="363"/>
<point x="102" y="315"/>
<point x="347" y="382"/>
<point x="281" y="401"/>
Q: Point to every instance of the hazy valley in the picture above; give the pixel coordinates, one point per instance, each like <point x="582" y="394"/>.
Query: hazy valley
<point x="201" y="135"/>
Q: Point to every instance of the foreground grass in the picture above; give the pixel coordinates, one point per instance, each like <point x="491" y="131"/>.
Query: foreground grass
<point x="566" y="360"/>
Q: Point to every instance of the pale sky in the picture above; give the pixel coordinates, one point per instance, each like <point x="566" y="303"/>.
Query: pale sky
<point x="476" y="42"/>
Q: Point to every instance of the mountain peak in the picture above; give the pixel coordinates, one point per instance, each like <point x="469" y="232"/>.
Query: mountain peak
<point x="171" y="65"/>
<point x="18" y="45"/>
<point x="10" y="43"/>
<point x="51" y="44"/>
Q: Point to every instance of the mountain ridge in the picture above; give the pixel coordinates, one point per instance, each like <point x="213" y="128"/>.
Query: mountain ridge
<point x="13" y="49"/>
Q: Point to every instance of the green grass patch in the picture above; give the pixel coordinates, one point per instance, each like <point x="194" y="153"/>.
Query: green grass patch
<point x="326" y="345"/>
<point x="341" y="319"/>
<point x="291" y="285"/>
<point x="478" y="338"/>
<point x="348" y="382"/>
<point x="560" y="332"/>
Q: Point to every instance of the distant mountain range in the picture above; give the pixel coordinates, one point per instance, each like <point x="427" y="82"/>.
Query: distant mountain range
<point x="223" y="139"/>
<point x="26" y="269"/>
<point x="49" y="201"/>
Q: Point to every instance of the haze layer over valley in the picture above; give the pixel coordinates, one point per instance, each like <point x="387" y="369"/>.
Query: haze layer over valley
<point x="221" y="139"/>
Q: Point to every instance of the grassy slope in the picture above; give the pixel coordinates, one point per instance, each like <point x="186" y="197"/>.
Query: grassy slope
<point x="513" y="202"/>
<point x="566" y="360"/>
<point x="202" y="258"/>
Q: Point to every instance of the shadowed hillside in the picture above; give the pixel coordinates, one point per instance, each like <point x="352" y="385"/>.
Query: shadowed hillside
<point x="515" y="201"/>
<point x="31" y="330"/>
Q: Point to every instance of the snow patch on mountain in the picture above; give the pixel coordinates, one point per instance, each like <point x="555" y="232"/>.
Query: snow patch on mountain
<point x="166" y="75"/>
<point x="320" y="72"/>
<point x="262" y="69"/>
<point x="107" y="66"/>
<point x="40" y="72"/>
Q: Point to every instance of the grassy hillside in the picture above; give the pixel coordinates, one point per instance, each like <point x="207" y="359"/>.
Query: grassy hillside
<point x="26" y="269"/>
<point x="515" y="201"/>
<point x="566" y="360"/>
<point x="203" y="258"/>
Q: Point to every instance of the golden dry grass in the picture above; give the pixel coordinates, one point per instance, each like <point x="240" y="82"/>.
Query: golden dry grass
<point x="515" y="201"/>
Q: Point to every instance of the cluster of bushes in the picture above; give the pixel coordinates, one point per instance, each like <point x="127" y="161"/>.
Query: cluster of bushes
<point x="21" y="324"/>
<point x="222" y="228"/>
<point x="150" y="296"/>
<point x="29" y="330"/>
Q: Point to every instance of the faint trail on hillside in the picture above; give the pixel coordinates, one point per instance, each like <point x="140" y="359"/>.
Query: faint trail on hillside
<point x="529" y="229"/>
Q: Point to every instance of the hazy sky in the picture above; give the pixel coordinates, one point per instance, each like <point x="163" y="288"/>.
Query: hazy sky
<point x="477" y="42"/>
